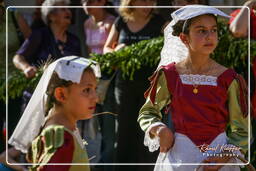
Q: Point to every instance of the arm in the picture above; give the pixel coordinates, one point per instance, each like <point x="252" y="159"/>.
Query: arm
<point x="67" y="148"/>
<point x="20" y="63"/>
<point x="28" y="51"/>
<point x="111" y="42"/>
<point x="12" y="154"/>
<point x="239" y="26"/>
<point x="150" y="115"/>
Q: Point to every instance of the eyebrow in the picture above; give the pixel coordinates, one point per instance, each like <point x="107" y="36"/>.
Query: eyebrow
<point x="88" y="84"/>
<point x="204" y="26"/>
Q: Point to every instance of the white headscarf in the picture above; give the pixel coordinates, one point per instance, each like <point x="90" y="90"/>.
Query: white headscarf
<point x="174" y="50"/>
<point x="68" y="68"/>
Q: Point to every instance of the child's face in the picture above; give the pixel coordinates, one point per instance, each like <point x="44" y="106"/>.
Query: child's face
<point x="203" y="36"/>
<point x="92" y="11"/>
<point x="81" y="98"/>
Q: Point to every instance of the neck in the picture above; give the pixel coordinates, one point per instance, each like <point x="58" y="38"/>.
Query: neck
<point x="141" y="19"/>
<point x="99" y="16"/>
<point x="198" y="62"/>
<point x="59" y="116"/>
<point x="59" y="32"/>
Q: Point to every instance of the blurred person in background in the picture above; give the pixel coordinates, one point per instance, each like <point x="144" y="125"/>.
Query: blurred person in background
<point x="134" y="25"/>
<point x="48" y="43"/>
<point x="239" y="28"/>
<point x="96" y="29"/>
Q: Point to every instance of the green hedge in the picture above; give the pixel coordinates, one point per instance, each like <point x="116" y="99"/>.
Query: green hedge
<point x="231" y="52"/>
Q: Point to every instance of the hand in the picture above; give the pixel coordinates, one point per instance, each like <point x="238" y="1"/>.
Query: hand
<point x="120" y="46"/>
<point x="30" y="71"/>
<point x="223" y="159"/>
<point x="165" y="135"/>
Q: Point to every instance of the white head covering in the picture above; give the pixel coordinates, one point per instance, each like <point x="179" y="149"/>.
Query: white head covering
<point x="174" y="50"/>
<point x="69" y="68"/>
<point x="45" y="11"/>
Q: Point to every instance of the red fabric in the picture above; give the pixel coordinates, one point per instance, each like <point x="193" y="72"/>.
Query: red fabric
<point x="64" y="154"/>
<point x="243" y="94"/>
<point x="204" y="117"/>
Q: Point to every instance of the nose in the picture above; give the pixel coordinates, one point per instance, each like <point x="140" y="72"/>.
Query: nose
<point x="209" y="35"/>
<point x="68" y="11"/>
<point x="96" y="97"/>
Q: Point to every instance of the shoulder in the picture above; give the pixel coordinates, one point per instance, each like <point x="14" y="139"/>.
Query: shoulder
<point x="110" y="19"/>
<point x="170" y="72"/>
<point x="169" y="67"/>
<point x="225" y="75"/>
<point x="156" y="18"/>
<point x="53" y="140"/>
<point x="88" y="22"/>
<point x="61" y="135"/>
<point x="119" y="23"/>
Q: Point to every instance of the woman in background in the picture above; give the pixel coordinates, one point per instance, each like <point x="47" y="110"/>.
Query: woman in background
<point x="96" y="29"/>
<point x="134" y="25"/>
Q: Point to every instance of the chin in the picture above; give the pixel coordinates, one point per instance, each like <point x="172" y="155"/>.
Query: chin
<point x="87" y="116"/>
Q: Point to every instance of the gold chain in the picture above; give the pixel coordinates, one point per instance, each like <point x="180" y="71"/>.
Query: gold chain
<point x="195" y="89"/>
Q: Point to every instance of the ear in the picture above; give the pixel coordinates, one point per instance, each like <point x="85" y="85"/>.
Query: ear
<point x="60" y="94"/>
<point x="184" y="38"/>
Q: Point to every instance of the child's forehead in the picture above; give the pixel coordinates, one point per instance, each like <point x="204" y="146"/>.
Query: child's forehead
<point x="204" y="20"/>
<point x="88" y="77"/>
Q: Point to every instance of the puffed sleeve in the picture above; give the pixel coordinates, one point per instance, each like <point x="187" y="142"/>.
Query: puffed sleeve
<point x="239" y="124"/>
<point x="150" y="112"/>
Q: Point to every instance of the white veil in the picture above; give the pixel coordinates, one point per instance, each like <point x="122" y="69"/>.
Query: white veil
<point x="174" y="50"/>
<point x="68" y="68"/>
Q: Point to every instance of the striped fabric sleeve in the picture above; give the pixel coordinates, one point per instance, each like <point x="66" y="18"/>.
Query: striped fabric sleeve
<point x="239" y="126"/>
<point x="63" y="154"/>
<point x="151" y="113"/>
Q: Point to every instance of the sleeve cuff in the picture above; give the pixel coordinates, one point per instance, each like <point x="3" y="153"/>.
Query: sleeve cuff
<point x="152" y="143"/>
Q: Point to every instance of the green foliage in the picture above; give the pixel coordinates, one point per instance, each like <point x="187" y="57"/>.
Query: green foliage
<point x="17" y="83"/>
<point x="132" y="58"/>
<point x="231" y="52"/>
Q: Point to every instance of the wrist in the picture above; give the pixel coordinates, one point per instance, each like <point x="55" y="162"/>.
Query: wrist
<point x="159" y="129"/>
<point x="25" y="67"/>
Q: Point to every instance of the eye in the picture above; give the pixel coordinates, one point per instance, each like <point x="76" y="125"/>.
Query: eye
<point x="202" y="31"/>
<point x="214" y="30"/>
<point x="87" y="90"/>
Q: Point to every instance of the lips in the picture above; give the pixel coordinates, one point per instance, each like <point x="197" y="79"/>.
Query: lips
<point x="68" y="17"/>
<point x="209" y="45"/>
<point x="92" y="108"/>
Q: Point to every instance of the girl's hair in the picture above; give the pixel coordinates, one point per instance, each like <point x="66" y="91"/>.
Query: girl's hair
<point x="127" y="13"/>
<point x="55" y="82"/>
<point x="46" y="11"/>
<point x="182" y="26"/>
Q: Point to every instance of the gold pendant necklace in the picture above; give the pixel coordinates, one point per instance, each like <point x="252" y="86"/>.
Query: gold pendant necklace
<point x="195" y="90"/>
<point x="195" y="86"/>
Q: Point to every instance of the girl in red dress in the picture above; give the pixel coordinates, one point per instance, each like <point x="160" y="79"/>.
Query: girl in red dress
<point x="204" y="98"/>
